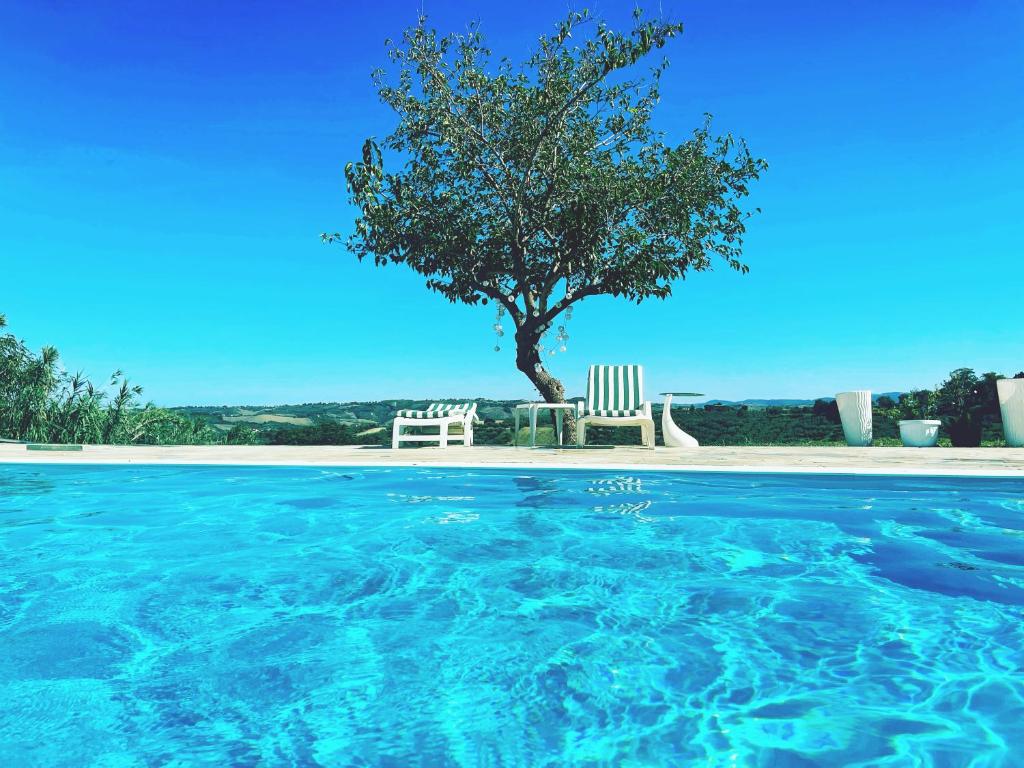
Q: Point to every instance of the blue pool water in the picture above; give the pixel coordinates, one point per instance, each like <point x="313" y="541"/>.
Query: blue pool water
<point x="421" y="617"/>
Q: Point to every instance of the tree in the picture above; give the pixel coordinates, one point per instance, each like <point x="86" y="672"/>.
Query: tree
<point x="963" y="400"/>
<point x="536" y="186"/>
<point x="827" y="410"/>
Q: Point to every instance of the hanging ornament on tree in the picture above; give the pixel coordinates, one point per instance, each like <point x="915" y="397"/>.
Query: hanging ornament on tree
<point x="499" y="331"/>
<point x="561" y="338"/>
<point x="563" y="334"/>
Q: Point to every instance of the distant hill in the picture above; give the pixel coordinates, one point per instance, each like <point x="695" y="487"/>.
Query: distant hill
<point x="789" y="403"/>
<point x="757" y="403"/>
<point x="366" y="415"/>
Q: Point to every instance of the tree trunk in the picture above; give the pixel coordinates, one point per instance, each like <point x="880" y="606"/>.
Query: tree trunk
<point x="551" y="389"/>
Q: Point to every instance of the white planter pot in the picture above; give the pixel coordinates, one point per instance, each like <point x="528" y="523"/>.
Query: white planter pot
<point x="1011" y="405"/>
<point x="919" y="433"/>
<point x="855" y="413"/>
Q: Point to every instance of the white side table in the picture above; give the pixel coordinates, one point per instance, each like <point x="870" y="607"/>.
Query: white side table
<point x="672" y="435"/>
<point x="532" y="409"/>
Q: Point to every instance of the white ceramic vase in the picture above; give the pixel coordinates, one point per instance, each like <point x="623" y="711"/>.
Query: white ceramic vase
<point x="1011" y="405"/>
<point x="919" y="433"/>
<point x="855" y="413"/>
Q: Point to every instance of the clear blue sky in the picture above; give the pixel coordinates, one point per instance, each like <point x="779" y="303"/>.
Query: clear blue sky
<point x="166" y="168"/>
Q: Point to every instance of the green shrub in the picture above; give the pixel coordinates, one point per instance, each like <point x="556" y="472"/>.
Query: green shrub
<point x="40" y="402"/>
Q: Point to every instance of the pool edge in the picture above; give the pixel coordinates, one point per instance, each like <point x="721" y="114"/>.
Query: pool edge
<point x="753" y="469"/>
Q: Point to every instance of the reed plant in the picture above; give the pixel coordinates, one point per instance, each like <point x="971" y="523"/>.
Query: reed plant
<point x="41" y="402"/>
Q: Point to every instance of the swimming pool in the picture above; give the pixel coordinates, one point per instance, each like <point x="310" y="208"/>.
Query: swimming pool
<point x="311" y="616"/>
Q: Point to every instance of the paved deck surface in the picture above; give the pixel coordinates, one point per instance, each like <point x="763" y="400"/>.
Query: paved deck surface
<point x="996" y="462"/>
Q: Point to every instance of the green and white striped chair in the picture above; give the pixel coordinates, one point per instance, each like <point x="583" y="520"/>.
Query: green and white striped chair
<point x="615" y="398"/>
<point x="440" y="415"/>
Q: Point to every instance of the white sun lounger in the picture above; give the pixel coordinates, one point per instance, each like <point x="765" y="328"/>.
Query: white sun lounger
<point x="440" y="415"/>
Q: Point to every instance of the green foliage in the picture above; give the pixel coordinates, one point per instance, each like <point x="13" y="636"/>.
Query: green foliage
<point x="968" y="405"/>
<point x="917" y="404"/>
<point x="540" y="184"/>
<point x="328" y="433"/>
<point x="242" y="434"/>
<point x="958" y="396"/>
<point x="827" y="410"/>
<point x="40" y="402"/>
<point x="963" y="401"/>
<point x="160" y="426"/>
<point x="726" y="425"/>
<point x="494" y="433"/>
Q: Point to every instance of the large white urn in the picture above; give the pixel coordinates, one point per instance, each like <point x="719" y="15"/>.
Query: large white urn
<point x="855" y="413"/>
<point x="1011" y="405"/>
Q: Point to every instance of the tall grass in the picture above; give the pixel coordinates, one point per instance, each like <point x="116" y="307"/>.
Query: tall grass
<point x="41" y="402"/>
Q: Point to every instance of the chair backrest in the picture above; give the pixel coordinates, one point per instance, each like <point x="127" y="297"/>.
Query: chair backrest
<point x="450" y="409"/>
<point x="615" y="387"/>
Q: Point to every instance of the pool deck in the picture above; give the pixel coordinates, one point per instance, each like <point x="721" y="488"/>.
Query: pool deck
<point x="985" y="462"/>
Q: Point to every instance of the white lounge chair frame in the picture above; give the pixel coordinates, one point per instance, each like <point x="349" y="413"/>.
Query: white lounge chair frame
<point x="612" y="388"/>
<point x="437" y="415"/>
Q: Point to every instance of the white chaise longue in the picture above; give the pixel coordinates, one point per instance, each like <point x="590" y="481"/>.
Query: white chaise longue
<point x="440" y="415"/>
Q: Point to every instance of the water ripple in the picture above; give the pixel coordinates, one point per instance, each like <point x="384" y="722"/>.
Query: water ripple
<point x="243" y="616"/>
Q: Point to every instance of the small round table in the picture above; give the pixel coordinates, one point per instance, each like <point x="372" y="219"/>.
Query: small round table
<point x="672" y="435"/>
<point x="532" y="409"/>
